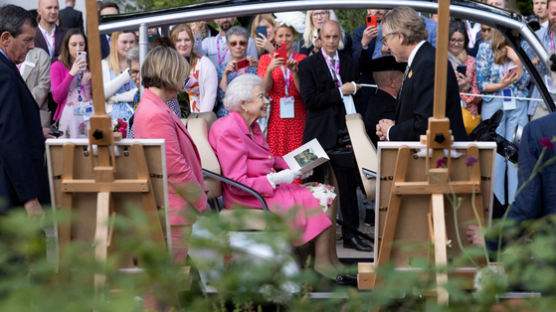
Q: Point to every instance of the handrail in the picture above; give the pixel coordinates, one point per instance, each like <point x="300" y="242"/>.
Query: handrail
<point x="243" y="187"/>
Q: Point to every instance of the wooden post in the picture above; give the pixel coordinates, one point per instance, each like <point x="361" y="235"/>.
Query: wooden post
<point x="441" y="66"/>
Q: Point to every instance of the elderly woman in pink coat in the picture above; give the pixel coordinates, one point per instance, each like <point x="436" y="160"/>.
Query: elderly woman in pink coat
<point x="164" y="72"/>
<point x="245" y="157"/>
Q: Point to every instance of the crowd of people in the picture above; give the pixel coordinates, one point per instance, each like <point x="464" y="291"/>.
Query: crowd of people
<point x="290" y="78"/>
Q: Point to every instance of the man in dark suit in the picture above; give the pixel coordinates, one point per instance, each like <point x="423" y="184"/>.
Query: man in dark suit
<point x="23" y="179"/>
<point x="388" y="75"/>
<point x="537" y="198"/>
<point x="70" y="17"/>
<point x="106" y="8"/>
<point x="48" y="36"/>
<point x="404" y="33"/>
<point x="327" y="84"/>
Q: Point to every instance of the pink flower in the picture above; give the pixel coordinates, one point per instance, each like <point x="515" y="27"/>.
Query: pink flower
<point x="547" y="143"/>
<point x="471" y="160"/>
<point x="441" y="161"/>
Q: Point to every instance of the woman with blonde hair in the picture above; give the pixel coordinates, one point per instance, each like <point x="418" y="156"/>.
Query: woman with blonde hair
<point x="311" y="42"/>
<point x="281" y="83"/>
<point x="163" y="73"/>
<point x="500" y="73"/>
<point x="116" y="77"/>
<point x="263" y="42"/>
<point x="203" y="80"/>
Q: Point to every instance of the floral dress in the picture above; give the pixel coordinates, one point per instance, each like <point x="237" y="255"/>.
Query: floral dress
<point x="489" y="72"/>
<point x="283" y="134"/>
<point x="122" y="110"/>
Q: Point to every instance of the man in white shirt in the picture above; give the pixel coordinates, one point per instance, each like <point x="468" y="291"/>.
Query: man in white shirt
<point x="540" y="9"/>
<point x="215" y="48"/>
<point x="48" y="36"/>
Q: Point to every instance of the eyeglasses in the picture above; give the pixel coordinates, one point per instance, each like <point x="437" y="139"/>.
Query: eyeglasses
<point x="458" y="41"/>
<point x="235" y="43"/>
<point x="485" y="29"/>
<point x="384" y="41"/>
<point x="133" y="72"/>
<point x="320" y="14"/>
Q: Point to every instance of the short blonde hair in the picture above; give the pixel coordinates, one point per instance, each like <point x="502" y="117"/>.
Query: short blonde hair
<point x="406" y="21"/>
<point x="164" y="68"/>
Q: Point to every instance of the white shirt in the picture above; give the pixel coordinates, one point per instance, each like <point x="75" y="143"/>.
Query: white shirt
<point x="50" y="40"/>
<point x="409" y="61"/>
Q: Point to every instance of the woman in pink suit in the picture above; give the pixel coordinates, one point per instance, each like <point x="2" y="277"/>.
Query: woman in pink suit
<point x="245" y="157"/>
<point x="164" y="72"/>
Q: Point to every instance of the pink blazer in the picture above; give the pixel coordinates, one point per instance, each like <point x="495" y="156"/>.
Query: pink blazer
<point x="155" y="120"/>
<point x="246" y="158"/>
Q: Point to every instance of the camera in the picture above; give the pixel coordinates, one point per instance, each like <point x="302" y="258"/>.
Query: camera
<point x="533" y="22"/>
<point x="486" y="131"/>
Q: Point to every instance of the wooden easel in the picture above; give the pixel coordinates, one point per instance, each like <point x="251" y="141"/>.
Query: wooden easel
<point x="103" y="164"/>
<point x="438" y="139"/>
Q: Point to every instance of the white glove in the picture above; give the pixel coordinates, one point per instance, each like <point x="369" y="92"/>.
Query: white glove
<point x="284" y="176"/>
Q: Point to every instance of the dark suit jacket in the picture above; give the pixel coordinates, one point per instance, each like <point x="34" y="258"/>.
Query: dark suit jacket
<point x="22" y="170"/>
<point x="59" y="35"/>
<point x="71" y="18"/>
<point x="322" y="99"/>
<point x="414" y="105"/>
<point x="381" y="105"/>
<point x="538" y="197"/>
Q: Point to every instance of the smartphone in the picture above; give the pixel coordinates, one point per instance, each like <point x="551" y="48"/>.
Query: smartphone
<point x="512" y="69"/>
<point x="79" y="53"/>
<point x="462" y="69"/>
<point x="261" y="30"/>
<point x="242" y="64"/>
<point x="282" y="51"/>
<point x="371" y="20"/>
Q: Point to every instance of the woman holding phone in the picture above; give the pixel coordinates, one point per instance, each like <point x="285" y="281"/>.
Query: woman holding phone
<point x="262" y="32"/>
<point x="464" y="66"/>
<point x="71" y="86"/>
<point x="500" y="73"/>
<point x="236" y="38"/>
<point x="279" y="71"/>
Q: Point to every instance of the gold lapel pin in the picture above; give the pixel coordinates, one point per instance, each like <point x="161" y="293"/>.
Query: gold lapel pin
<point x="410" y="74"/>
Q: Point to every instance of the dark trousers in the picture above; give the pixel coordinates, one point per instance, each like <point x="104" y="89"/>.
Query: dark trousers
<point x="345" y="168"/>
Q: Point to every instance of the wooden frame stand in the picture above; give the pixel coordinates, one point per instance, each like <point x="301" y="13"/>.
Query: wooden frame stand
<point x="437" y="184"/>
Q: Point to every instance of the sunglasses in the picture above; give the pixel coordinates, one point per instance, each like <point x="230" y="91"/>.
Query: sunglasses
<point x="485" y="29"/>
<point x="235" y="43"/>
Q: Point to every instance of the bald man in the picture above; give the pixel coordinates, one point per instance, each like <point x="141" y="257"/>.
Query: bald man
<point x="48" y="36"/>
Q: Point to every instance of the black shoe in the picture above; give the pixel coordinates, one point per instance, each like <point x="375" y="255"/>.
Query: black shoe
<point x="346" y="280"/>
<point x="355" y="242"/>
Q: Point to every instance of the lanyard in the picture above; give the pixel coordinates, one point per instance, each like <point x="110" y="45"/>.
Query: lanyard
<point x="335" y="68"/>
<point x="286" y="75"/>
<point x="220" y="58"/>
<point x="551" y="39"/>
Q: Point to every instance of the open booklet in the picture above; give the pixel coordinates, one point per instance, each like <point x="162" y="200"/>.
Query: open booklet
<point x="306" y="157"/>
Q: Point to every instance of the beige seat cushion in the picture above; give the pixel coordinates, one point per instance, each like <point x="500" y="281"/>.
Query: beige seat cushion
<point x="364" y="150"/>
<point x="198" y="130"/>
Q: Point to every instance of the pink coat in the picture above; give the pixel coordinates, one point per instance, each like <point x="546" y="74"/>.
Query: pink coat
<point x="247" y="159"/>
<point x="155" y="120"/>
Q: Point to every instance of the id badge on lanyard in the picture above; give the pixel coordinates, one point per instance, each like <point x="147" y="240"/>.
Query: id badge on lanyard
<point x="287" y="107"/>
<point x="509" y="101"/>
<point x="84" y="109"/>
<point x="287" y="103"/>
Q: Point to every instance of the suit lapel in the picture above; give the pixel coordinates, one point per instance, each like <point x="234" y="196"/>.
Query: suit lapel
<point x="40" y="41"/>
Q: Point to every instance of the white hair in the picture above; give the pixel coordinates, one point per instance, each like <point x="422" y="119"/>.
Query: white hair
<point x="239" y="90"/>
<point x="311" y="31"/>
